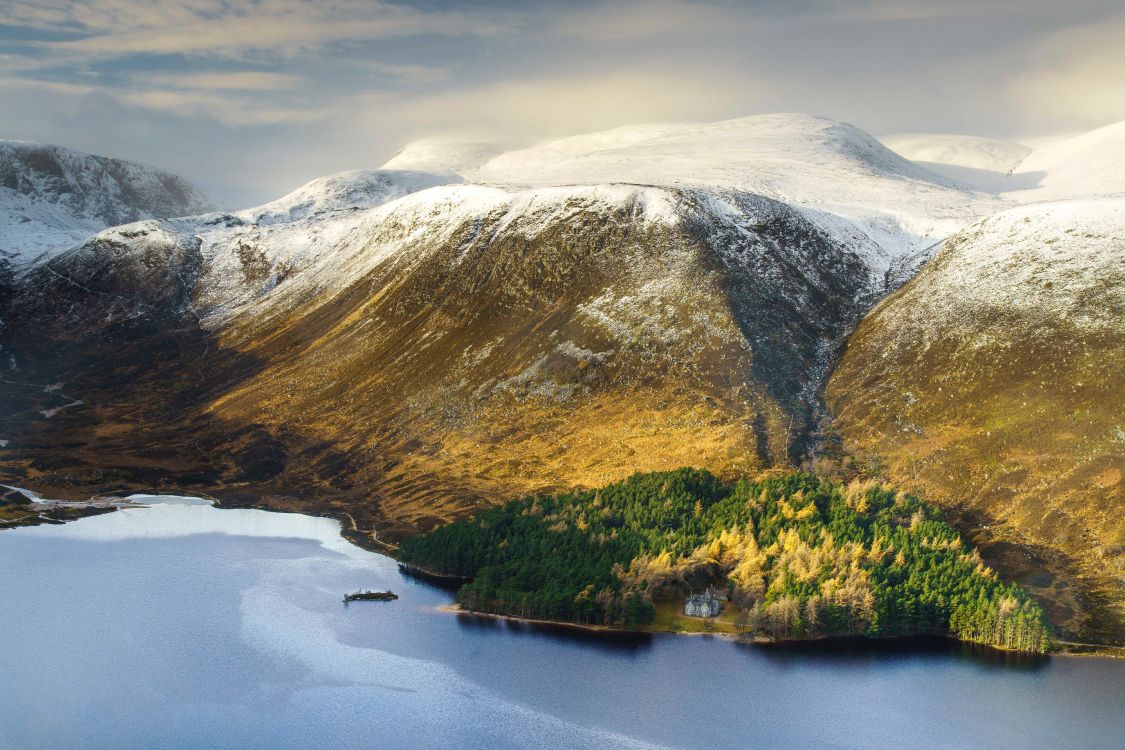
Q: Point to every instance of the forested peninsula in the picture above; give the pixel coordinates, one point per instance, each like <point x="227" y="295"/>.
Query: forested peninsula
<point x="796" y="556"/>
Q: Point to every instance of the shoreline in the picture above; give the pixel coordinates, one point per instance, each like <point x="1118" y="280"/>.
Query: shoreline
<point x="38" y="510"/>
<point x="1096" y="651"/>
<point x="443" y="580"/>
<point x="74" y="510"/>
<point x="455" y="609"/>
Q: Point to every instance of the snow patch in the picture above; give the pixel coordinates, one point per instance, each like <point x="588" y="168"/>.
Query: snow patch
<point x="1039" y="262"/>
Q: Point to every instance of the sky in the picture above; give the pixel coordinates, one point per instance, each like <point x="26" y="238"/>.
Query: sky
<point x="262" y="95"/>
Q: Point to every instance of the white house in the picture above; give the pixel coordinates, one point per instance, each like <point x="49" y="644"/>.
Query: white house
<point x="707" y="604"/>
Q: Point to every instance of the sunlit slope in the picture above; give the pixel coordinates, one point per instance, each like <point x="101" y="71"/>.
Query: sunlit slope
<point x="458" y="345"/>
<point x="1090" y="163"/>
<point x="1075" y="166"/>
<point x="994" y="383"/>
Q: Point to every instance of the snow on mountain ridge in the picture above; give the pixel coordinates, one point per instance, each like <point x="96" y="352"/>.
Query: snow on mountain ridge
<point x="443" y="155"/>
<point x="1038" y="260"/>
<point x="345" y="191"/>
<point x="1091" y="163"/>
<point x="835" y="170"/>
<point x="322" y="253"/>
<point x="1072" y="166"/>
<point x="887" y="209"/>
<point x="731" y="153"/>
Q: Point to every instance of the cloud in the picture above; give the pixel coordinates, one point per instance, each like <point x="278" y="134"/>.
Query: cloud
<point x="419" y="74"/>
<point x="106" y="29"/>
<point x="644" y="19"/>
<point x="226" y="109"/>
<point x="562" y="105"/>
<point x="225" y="81"/>
<point x="64" y="88"/>
<point x="637" y="19"/>
<point x="1075" y="79"/>
<point x="278" y="91"/>
<point x="226" y="106"/>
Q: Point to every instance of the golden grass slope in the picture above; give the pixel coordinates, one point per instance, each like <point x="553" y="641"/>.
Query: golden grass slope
<point x="994" y="383"/>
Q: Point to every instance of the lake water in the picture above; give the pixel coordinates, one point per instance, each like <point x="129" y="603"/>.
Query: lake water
<point x="181" y="625"/>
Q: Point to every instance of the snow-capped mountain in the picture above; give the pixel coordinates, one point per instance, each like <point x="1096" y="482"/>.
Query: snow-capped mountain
<point x="52" y="198"/>
<point x="842" y="176"/>
<point x="981" y="163"/>
<point x="346" y="192"/>
<point x="470" y="323"/>
<point x="967" y="151"/>
<point x="444" y="156"/>
<point x="403" y="307"/>
<point x="1090" y="163"/>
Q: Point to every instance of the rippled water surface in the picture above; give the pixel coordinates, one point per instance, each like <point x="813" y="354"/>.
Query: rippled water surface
<point x="181" y="625"/>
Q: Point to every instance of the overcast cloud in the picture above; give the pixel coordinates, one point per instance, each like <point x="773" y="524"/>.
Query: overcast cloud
<point x="270" y="93"/>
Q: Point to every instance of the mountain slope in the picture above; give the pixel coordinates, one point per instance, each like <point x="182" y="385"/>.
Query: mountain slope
<point x="993" y="383"/>
<point x="958" y="150"/>
<point x="1091" y="163"/>
<point x="53" y="197"/>
<point x="444" y="156"/>
<point x="1083" y="165"/>
<point x="458" y="345"/>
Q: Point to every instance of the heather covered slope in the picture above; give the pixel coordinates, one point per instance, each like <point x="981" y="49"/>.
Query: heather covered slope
<point x="993" y="383"/>
<point x="458" y="345"/>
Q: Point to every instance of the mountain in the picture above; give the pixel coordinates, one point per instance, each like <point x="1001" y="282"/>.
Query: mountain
<point x="53" y="197"/>
<point x="468" y="324"/>
<point x="968" y="151"/>
<point x="822" y="166"/>
<point x="406" y="346"/>
<point x="1087" y="164"/>
<point x="443" y="156"/>
<point x="458" y="345"/>
<point x="993" y="384"/>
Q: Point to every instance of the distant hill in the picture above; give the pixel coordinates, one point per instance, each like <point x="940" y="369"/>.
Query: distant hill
<point x="53" y="197"/>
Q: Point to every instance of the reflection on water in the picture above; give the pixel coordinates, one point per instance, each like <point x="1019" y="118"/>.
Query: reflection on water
<point x="603" y="640"/>
<point x="874" y="651"/>
<point x="181" y="625"/>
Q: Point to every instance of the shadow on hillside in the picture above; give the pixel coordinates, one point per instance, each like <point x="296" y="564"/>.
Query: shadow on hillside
<point x="984" y="179"/>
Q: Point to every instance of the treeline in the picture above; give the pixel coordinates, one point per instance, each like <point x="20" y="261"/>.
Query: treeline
<point x="799" y="555"/>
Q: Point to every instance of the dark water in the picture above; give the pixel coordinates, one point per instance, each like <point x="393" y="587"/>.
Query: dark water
<point x="185" y="626"/>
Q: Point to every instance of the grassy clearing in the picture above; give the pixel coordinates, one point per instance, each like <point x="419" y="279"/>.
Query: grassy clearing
<point x="670" y="618"/>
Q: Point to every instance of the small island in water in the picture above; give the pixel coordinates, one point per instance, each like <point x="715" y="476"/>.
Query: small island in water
<point x="790" y="557"/>
<point x="370" y="596"/>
